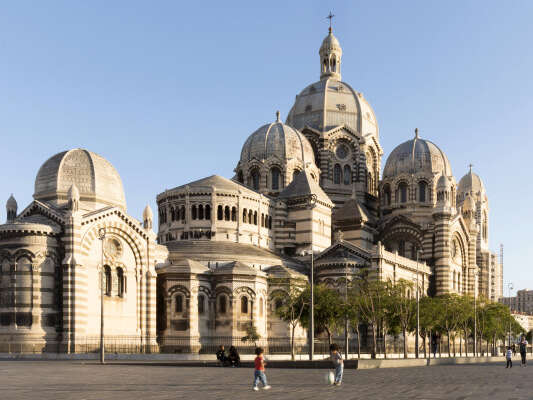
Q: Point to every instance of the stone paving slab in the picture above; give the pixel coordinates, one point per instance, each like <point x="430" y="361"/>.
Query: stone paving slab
<point x="46" y="380"/>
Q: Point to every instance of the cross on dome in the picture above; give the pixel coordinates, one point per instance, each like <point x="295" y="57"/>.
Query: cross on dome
<point x="330" y="17"/>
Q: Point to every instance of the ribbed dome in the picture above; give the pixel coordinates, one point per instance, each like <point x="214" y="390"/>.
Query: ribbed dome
<point x="328" y="103"/>
<point x="471" y="183"/>
<point x="415" y="156"/>
<point x="329" y="44"/>
<point x="280" y="141"/>
<point x="97" y="181"/>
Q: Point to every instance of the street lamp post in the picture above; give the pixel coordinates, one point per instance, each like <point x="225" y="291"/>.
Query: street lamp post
<point x="417" y="308"/>
<point x="346" y="345"/>
<point x="312" y="308"/>
<point x="475" y="314"/>
<point x="510" y="287"/>
<point x="101" y="236"/>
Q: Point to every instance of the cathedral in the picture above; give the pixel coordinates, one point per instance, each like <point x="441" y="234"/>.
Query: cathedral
<point x="307" y="193"/>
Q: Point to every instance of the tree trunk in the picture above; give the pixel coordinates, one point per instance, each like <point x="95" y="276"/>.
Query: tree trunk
<point x="374" y="342"/>
<point x="292" y="342"/>
<point x="329" y="336"/>
<point x="454" y="353"/>
<point x="358" y="341"/>
<point x="448" y="340"/>
<point x="440" y="345"/>
<point x="460" y="344"/>
<point x="384" y="342"/>
<point x="424" y="344"/>
<point x="404" y="343"/>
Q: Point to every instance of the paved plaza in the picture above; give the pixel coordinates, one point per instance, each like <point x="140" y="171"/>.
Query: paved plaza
<point x="88" y="381"/>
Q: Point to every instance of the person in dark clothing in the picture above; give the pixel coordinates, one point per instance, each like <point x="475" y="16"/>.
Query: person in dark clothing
<point x="523" y="350"/>
<point x="221" y="356"/>
<point x="234" y="357"/>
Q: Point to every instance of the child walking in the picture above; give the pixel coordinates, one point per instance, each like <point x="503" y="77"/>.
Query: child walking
<point x="509" y="357"/>
<point x="259" y="373"/>
<point x="338" y="363"/>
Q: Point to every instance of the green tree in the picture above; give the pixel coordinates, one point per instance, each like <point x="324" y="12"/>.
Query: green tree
<point x="429" y="319"/>
<point x="252" y="335"/>
<point x="402" y="309"/>
<point x="290" y="302"/>
<point x="372" y="305"/>
<point x="328" y="310"/>
<point x="451" y="312"/>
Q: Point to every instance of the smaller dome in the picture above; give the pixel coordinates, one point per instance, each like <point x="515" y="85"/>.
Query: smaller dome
<point x="417" y="156"/>
<point x="280" y="141"/>
<point x="444" y="183"/>
<point x="11" y="203"/>
<point x="147" y="213"/>
<point x="97" y="181"/>
<point x="471" y="183"/>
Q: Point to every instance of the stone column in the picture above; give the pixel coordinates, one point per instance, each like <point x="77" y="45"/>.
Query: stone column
<point x="442" y="252"/>
<point x="151" y="313"/>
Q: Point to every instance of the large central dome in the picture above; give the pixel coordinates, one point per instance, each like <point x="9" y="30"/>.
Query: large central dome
<point x="97" y="181"/>
<point x="330" y="102"/>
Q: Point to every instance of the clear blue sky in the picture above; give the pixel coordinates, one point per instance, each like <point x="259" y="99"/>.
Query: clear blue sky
<point x="169" y="91"/>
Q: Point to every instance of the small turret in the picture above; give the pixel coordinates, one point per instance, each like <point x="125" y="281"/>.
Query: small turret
<point x="73" y="196"/>
<point x="444" y="188"/>
<point x="11" y="208"/>
<point x="148" y="217"/>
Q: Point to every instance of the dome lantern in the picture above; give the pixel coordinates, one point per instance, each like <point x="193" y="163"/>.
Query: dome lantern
<point x="330" y="57"/>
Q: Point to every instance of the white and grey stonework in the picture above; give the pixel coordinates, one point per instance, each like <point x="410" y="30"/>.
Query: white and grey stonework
<point x="223" y="246"/>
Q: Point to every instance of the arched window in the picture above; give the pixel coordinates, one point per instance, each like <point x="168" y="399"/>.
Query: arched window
<point x="337" y="174"/>
<point x="369" y="182"/>
<point x="386" y="195"/>
<point x="233" y="213"/>
<point x="178" y="303"/>
<point x="108" y="284"/>
<point x="295" y="173"/>
<point x="278" y="304"/>
<point x="244" y="215"/>
<point x="208" y="212"/>
<point x="226" y="213"/>
<point x="172" y="214"/>
<point x="121" y="283"/>
<point x="244" y="305"/>
<point x="201" y="304"/>
<point x="401" y="248"/>
<point x="220" y="213"/>
<point x="250" y="217"/>
<point x="262" y="220"/>
<point x="261" y="307"/>
<point x="222" y="304"/>
<point x="422" y="189"/>
<point x="200" y="211"/>
<point x="193" y="212"/>
<point x="347" y="175"/>
<point x="240" y="177"/>
<point x="402" y="192"/>
<point x="255" y="179"/>
<point x="274" y="178"/>
<point x="182" y="213"/>
<point x="255" y="217"/>
<point x="269" y="222"/>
